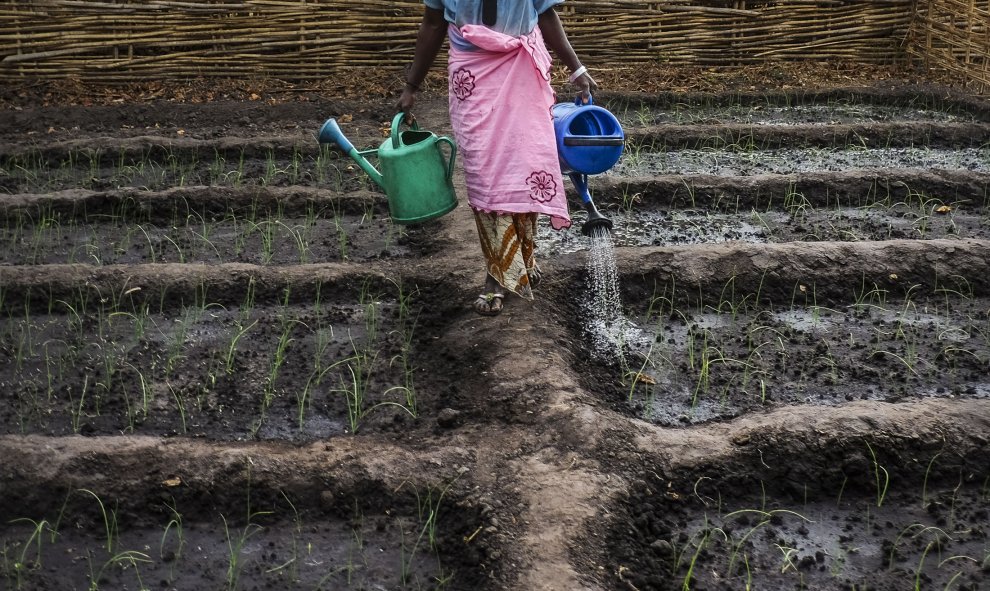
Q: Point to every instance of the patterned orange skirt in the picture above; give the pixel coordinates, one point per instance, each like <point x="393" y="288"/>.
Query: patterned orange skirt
<point x="508" y="242"/>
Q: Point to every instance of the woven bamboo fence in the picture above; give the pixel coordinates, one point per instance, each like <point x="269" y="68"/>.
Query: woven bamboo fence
<point x="126" y="41"/>
<point x="954" y="36"/>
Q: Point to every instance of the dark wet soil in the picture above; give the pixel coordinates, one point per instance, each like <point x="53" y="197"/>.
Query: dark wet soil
<point x="223" y="366"/>
<point x="916" y="537"/>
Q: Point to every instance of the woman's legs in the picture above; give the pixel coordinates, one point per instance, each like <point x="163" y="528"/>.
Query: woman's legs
<point x="508" y="244"/>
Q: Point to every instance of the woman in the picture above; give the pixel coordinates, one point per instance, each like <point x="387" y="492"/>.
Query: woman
<point x="500" y="102"/>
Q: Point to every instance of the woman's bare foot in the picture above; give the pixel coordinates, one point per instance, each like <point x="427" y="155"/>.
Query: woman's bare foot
<point x="535" y="276"/>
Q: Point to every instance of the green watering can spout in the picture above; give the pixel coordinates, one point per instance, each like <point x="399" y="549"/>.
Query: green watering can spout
<point x="415" y="174"/>
<point x="330" y="133"/>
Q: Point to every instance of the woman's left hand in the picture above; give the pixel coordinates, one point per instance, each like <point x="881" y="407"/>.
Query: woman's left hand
<point x="585" y="86"/>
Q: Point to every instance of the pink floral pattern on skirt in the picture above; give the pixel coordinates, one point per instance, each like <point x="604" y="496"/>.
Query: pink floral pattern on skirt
<point x="542" y="186"/>
<point x="462" y="84"/>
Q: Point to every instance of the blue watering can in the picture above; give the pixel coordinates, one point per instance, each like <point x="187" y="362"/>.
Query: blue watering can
<point x="589" y="141"/>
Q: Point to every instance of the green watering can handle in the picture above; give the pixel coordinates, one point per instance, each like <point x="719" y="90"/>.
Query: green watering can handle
<point x="453" y="152"/>
<point x="396" y="123"/>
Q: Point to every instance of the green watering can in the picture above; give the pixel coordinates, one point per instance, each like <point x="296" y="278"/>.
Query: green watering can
<point x="414" y="173"/>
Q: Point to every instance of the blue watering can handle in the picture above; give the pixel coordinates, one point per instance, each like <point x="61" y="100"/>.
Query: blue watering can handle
<point x="330" y="134"/>
<point x="397" y="123"/>
<point x="453" y="152"/>
<point x="579" y="102"/>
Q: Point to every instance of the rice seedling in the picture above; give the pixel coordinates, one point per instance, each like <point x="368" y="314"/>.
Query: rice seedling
<point x="343" y="240"/>
<point x="700" y="541"/>
<point x="145" y="394"/>
<point x="93" y="157"/>
<point x="293" y="170"/>
<point x="764" y="517"/>
<point x="30" y="168"/>
<point x="174" y="553"/>
<point x="881" y="483"/>
<point x="177" y="339"/>
<point x="236" y="177"/>
<point x="203" y="234"/>
<point x="429" y="512"/>
<point x="796" y="204"/>
<point x="292" y="564"/>
<point x="873" y="297"/>
<point x="369" y="302"/>
<point x="266" y="231"/>
<point x="180" y="404"/>
<point x="644" y="116"/>
<point x="178" y="249"/>
<point x="309" y="224"/>
<point x="640" y="375"/>
<point x="789" y="562"/>
<point x="235" y="544"/>
<point x="49" y="364"/>
<point x="728" y="302"/>
<point x="659" y="303"/>
<point x="302" y="246"/>
<point x="181" y="171"/>
<point x="125" y="559"/>
<point x="109" y="521"/>
<point x="304" y="397"/>
<point x="22" y="564"/>
<point x="407" y="326"/>
<point x="278" y="359"/>
<point x="272" y="171"/>
<point x="916" y="530"/>
<point x="232" y="346"/>
<point x="359" y="366"/>
<point x="76" y="408"/>
<point x="217" y="171"/>
<point x="46" y="232"/>
<point x="327" y="173"/>
<point x="701" y="356"/>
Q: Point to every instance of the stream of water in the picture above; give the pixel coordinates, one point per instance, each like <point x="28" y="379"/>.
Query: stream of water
<point x="606" y="323"/>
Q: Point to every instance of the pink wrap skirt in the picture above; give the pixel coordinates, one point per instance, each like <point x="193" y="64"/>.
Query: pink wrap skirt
<point x="500" y="110"/>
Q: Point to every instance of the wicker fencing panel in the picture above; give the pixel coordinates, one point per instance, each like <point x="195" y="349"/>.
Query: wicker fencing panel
<point x="126" y="41"/>
<point x="954" y="36"/>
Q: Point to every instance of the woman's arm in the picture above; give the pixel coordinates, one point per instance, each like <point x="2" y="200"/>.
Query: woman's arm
<point x="432" y="32"/>
<point x="556" y="39"/>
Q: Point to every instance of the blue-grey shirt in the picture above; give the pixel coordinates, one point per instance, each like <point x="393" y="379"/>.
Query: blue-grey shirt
<point x="514" y="17"/>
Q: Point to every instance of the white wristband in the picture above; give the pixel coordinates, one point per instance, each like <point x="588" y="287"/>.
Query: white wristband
<point x="577" y="73"/>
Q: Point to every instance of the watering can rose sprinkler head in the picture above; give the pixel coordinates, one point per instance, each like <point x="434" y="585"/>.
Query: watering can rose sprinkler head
<point x="596" y="222"/>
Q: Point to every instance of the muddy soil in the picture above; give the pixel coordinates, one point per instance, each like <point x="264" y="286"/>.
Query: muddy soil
<point x="224" y="366"/>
